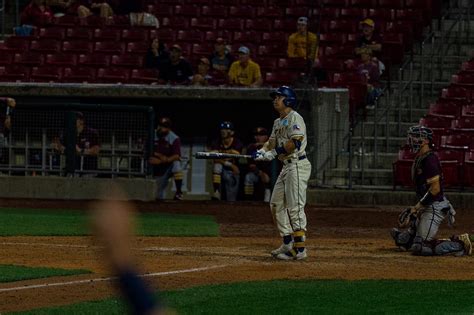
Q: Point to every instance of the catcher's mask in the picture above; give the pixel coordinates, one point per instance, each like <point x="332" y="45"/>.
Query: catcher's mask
<point x="416" y="136"/>
<point x="288" y="93"/>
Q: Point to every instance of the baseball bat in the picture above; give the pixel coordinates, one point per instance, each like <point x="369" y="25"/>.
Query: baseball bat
<point x="217" y="155"/>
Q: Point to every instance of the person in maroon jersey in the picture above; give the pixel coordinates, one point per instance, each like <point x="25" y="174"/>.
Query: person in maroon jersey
<point x="423" y="220"/>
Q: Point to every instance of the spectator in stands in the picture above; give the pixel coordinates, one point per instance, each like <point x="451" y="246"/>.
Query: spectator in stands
<point x="257" y="179"/>
<point x="303" y="44"/>
<point x="87" y="147"/>
<point x="36" y="13"/>
<point x="245" y="72"/>
<point x="369" y="39"/>
<point x="156" y="54"/>
<point x="138" y="16"/>
<point x="7" y="105"/>
<point x="166" y="159"/>
<point x="177" y="70"/>
<point x="226" y="172"/>
<point x="87" y="8"/>
<point x="202" y="77"/>
<point x="369" y="71"/>
<point x="221" y="59"/>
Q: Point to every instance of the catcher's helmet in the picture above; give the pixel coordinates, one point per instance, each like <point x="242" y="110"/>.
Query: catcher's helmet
<point x="288" y="93"/>
<point x="226" y="125"/>
<point x="416" y="135"/>
<point x="164" y="122"/>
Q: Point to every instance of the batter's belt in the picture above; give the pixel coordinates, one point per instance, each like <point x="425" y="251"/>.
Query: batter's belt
<point x="289" y="161"/>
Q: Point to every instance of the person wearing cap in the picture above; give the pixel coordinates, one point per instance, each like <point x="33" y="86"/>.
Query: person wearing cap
<point x="257" y="178"/>
<point x="220" y="59"/>
<point x="303" y="44"/>
<point x="226" y="172"/>
<point x="369" y="39"/>
<point x="369" y="71"/>
<point x="166" y="159"/>
<point x="202" y="77"/>
<point x="245" y="72"/>
<point x="176" y="70"/>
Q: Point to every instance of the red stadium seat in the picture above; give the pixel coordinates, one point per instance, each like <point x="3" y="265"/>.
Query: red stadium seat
<point x="258" y="25"/>
<point x="455" y="93"/>
<point x="29" y="59"/>
<point x="46" y="74"/>
<point x="333" y="64"/>
<point x="202" y="50"/>
<point x="77" y="46"/>
<point x="14" y="73"/>
<point x="362" y="3"/>
<point x="214" y="11"/>
<point x="203" y="23"/>
<point x="120" y="22"/>
<point x="467" y="111"/>
<point x="463" y="124"/>
<point x="162" y="10"/>
<point x="451" y="163"/>
<point x="465" y="79"/>
<point x="436" y="122"/>
<point x="449" y="110"/>
<point x="326" y="13"/>
<point x="332" y="38"/>
<point x="144" y="76"/>
<point x="270" y="12"/>
<point x="105" y="34"/>
<point x="175" y="23"/>
<point x="418" y="4"/>
<point x="381" y="15"/>
<point x="409" y="14"/>
<point x="353" y="13"/>
<point x="6" y="58"/>
<point x="79" y="74"/>
<point x="134" y="35"/>
<point x="334" y="3"/>
<point x="164" y="35"/>
<point x="468" y="169"/>
<point x="16" y="43"/>
<point x="267" y="64"/>
<point x="274" y="37"/>
<point x="93" y="60"/>
<point x="109" y="47"/>
<point x="242" y="11"/>
<point x="271" y="50"/>
<point x="186" y="10"/>
<point x="131" y="61"/>
<point x="468" y="66"/>
<point x="112" y="75"/>
<point x="284" y="25"/>
<point x="57" y="33"/>
<point x="402" y="168"/>
<point x="297" y="64"/>
<point x="248" y="37"/>
<point x="278" y="78"/>
<point x="79" y="33"/>
<point x="212" y="36"/>
<point x="343" y="26"/>
<point x="231" y="24"/>
<point x="45" y="46"/>
<point x="296" y="12"/>
<point x="392" y="4"/>
<point x="456" y="141"/>
<point x="189" y="36"/>
<point x="93" y="21"/>
<point x="64" y="60"/>
<point x="66" y="21"/>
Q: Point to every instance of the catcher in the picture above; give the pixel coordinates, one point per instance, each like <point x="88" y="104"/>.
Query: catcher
<point x="420" y="223"/>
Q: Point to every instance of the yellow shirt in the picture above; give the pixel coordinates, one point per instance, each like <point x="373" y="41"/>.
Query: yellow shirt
<point x="244" y="76"/>
<point x="297" y="45"/>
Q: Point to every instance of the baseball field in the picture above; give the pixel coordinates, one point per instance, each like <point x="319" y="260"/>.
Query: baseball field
<point x="213" y="258"/>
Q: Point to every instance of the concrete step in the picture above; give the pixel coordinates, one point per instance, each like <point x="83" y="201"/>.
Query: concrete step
<point x="340" y="177"/>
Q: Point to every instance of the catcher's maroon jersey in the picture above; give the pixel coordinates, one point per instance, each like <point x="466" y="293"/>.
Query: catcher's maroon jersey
<point x="425" y="167"/>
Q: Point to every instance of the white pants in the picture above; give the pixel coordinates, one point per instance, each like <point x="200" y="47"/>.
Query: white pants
<point x="289" y="197"/>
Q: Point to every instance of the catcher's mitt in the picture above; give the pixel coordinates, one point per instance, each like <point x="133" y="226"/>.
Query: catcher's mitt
<point x="406" y="216"/>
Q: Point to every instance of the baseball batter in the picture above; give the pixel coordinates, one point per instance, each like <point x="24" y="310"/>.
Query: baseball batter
<point x="423" y="220"/>
<point x="287" y="142"/>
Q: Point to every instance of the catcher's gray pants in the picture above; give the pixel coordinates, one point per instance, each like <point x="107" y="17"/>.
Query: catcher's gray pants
<point x="420" y="238"/>
<point x="162" y="181"/>
<point x="229" y="181"/>
<point x="289" y="197"/>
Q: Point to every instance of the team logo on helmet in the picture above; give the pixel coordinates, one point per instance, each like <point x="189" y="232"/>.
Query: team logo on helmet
<point x="288" y="93"/>
<point x="416" y="136"/>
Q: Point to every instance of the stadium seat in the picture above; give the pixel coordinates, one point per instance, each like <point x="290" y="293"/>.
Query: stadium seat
<point x="267" y="64"/>
<point x="45" y="46"/>
<point x="449" y="110"/>
<point x="64" y="60"/>
<point x="409" y="14"/>
<point x="14" y="73"/>
<point x="29" y="59"/>
<point x="134" y="35"/>
<point x="334" y="3"/>
<point x="392" y="4"/>
<point x="274" y="37"/>
<point x="112" y="75"/>
<point x="144" y="76"/>
<point x="333" y="64"/>
<point x="463" y="124"/>
<point x="457" y="141"/>
<point x="189" y="36"/>
<point x="93" y="21"/>
<point x="296" y="64"/>
<point x="296" y="12"/>
<point x="57" y="33"/>
<point x="212" y="36"/>
<point x="175" y="23"/>
<point x="468" y="169"/>
<point x="362" y="3"/>
<point x="326" y="13"/>
<point x="242" y="11"/>
<point x="164" y="35"/>
<point x="77" y="46"/>
<point x="271" y="50"/>
<point x="120" y="22"/>
<point x="202" y="50"/>
<point x="109" y="47"/>
<point x="381" y="15"/>
<point x="418" y="4"/>
<point x="66" y="21"/>
<point x="131" y="61"/>
<point x="17" y="44"/>
<point x="163" y="10"/>
<point x="288" y="25"/>
<point x="231" y="24"/>
<point x="215" y="11"/>
<point x="248" y="36"/>
<point x="451" y="163"/>
<point x="333" y="38"/>
<point x="78" y="74"/>
<point x="270" y="12"/>
<point x="468" y="66"/>
<point x="203" y="23"/>
<point x="465" y="79"/>
<point x="6" y="58"/>
<point x="467" y="111"/>
<point x="79" y="33"/>
<point x="343" y="26"/>
<point x="186" y="10"/>
<point x="45" y="74"/>
<point x="106" y="34"/>
<point x="278" y="78"/>
<point x="258" y="25"/>
<point x="402" y="168"/>
<point x="93" y="60"/>
<point x="455" y="93"/>
<point x="353" y="13"/>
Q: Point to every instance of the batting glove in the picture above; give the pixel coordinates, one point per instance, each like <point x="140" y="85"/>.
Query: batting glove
<point x="265" y="155"/>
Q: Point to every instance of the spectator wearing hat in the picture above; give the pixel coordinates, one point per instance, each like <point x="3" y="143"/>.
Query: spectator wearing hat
<point x="369" y="71"/>
<point x="369" y="39"/>
<point x="177" y="70"/>
<point x="303" y="44"/>
<point x="166" y="159"/>
<point x="245" y="72"/>
<point x="221" y="59"/>
<point x="257" y="178"/>
<point x="202" y="77"/>
<point x="156" y="54"/>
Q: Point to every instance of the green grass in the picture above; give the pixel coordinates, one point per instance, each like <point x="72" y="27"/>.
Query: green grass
<point x="10" y="273"/>
<point x="66" y="222"/>
<point x="306" y="297"/>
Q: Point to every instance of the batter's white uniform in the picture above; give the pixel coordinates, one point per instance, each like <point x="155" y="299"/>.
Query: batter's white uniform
<point x="289" y="194"/>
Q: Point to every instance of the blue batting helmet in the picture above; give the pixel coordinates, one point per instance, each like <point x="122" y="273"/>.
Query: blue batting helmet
<point x="288" y="93"/>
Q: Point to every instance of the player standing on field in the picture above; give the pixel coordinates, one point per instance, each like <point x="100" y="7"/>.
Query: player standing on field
<point x="287" y="142"/>
<point x="423" y="220"/>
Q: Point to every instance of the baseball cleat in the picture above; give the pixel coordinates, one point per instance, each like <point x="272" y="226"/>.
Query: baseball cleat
<point x="178" y="196"/>
<point x="467" y="243"/>
<point x="216" y="195"/>
<point x="284" y="248"/>
<point x="394" y="233"/>
<point x="290" y="256"/>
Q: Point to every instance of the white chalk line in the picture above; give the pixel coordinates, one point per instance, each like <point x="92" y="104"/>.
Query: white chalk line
<point x="76" y="282"/>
